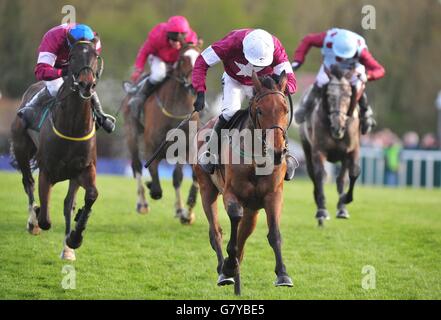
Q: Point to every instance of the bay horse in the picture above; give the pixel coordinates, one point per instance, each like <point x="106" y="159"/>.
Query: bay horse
<point x="163" y="111"/>
<point x="332" y="133"/>
<point x="64" y="149"/>
<point x="244" y="191"/>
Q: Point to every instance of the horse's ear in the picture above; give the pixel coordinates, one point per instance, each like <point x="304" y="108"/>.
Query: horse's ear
<point x="283" y="81"/>
<point x="256" y="82"/>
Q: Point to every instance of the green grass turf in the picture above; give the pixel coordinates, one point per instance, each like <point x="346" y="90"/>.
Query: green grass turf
<point x="129" y="256"/>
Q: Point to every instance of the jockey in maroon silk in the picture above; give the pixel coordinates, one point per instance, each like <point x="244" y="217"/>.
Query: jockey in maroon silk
<point x="53" y="59"/>
<point x="241" y="52"/>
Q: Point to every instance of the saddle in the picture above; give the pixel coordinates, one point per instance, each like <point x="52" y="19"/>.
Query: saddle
<point x="36" y="116"/>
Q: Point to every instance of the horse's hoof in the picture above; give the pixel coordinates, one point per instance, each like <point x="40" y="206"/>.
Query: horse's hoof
<point x="142" y="208"/>
<point x="44" y="225"/>
<point x="34" y="230"/>
<point x="283" y="281"/>
<point x="343" y="214"/>
<point x="156" y="195"/>
<point x="68" y="254"/>
<point x="74" y="240"/>
<point x="225" y="281"/>
<point x="179" y="213"/>
<point x="188" y="219"/>
<point x="322" y="214"/>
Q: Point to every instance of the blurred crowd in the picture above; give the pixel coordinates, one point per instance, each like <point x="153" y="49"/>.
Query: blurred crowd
<point x="392" y="146"/>
<point x="409" y="141"/>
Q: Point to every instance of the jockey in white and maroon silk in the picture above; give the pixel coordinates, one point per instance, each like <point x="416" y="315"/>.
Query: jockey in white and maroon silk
<point x="53" y="60"/>
<point x="161" y="50"/>
<point x="349" y="51"/>
<point x="241" y="52"/>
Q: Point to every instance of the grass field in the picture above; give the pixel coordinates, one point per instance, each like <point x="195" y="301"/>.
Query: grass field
<point x="128" y="256"/>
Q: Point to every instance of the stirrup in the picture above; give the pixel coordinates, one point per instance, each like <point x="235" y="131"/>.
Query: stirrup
<point x="291" y="165"/>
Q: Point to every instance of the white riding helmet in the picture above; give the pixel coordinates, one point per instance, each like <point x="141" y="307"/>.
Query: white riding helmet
<point x="258" y="48"/>
<point x="345" y="44"/>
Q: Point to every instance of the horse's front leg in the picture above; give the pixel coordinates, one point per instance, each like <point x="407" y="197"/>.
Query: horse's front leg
<point x="230" y="268"/>
<point x="273" y="208"/>
<point x="342" y="212"/>
<point x="87" y="181"/>
<point x="354" y="173"/>
<point x="69" y="204"/>
<point x="155" y="185"/>
<point x="319" y="175"/>
<point x="44" y="191"/>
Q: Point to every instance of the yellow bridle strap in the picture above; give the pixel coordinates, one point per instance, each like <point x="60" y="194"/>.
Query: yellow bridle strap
<point x="85" y="138"/>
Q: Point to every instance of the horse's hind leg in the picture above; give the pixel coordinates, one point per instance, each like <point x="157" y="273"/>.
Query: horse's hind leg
<point x="319" y="174"/>
<point x="155" y="184"/>
<point x="342" y="212"/>
<point x="23" y="150"/>
<point x="186" y="216"/>
<point x="192" y="196"/>
<point x="354" y="173"/>
<point x="87" y="181"/>
<point x="178" y="176"/>
<point x="142" y="206"/>
<point x="44" y="191"/>
<point x="69" y="204"/>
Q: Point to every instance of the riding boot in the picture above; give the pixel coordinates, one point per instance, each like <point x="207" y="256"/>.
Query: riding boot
<point x="367" y="120"/>
<point x="209" y="159"/>
<point x="136" y="102"/>
<point x="103" y="119"/>
<point x="291" y="165"/>
<point x="307" y="106"/>
<point x="28" y="112"/>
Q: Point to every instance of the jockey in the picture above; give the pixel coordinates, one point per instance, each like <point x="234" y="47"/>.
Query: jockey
<point x="349" y="51"/>
<point x="53" y="58"/>
<point x="161" y="49"/>
<point x="241" y="52"/>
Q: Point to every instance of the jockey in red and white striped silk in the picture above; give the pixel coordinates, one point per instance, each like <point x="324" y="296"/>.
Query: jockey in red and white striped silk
<point x="52" y="63"/>
<point x="349" y="51"/>
<point x="241" y="52"/>
<point x="161" y="50"/>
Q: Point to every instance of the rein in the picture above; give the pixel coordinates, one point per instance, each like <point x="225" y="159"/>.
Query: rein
<point x="73" y="86"/>
<point x="256" y="123"/>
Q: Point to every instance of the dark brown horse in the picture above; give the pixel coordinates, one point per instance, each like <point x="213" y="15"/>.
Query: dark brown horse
<point x="244" y="190"/>
<point x="65" y="148"/>
<point x="332" y="133"/>
<point x="163" y="111"/>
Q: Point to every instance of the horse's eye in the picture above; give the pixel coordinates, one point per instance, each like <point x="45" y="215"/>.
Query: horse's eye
<point x="259" y="112"/>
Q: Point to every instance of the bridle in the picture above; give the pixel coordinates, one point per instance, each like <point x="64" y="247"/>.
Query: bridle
<point x="338" y="112"/>
<point x="256" y="122"/>
<point x="183" y="79"/>
<point x="75" y="83"/>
